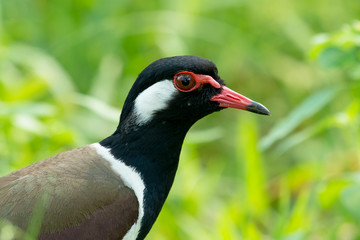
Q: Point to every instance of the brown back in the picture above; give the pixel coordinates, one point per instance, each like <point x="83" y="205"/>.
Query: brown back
<point x="80" y="195"/>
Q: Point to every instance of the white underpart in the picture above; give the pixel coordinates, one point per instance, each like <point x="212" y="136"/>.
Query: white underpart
<point x="154" y="98"/>
<point x="132" y="179"/>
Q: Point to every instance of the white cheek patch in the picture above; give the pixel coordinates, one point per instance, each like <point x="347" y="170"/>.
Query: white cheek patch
<point x="153" y="99"/>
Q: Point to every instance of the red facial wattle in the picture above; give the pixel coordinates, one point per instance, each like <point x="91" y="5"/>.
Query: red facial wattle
<point x="188" y="81"/>
<point x="197" y="81"/>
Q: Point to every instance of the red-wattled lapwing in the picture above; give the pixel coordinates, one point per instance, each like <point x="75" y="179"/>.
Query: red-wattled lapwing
<point x="116" y="188"/>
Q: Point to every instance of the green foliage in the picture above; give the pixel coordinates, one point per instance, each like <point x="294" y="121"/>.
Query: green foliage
<point x="293" y="175"/>
<point x="339" y="49"/>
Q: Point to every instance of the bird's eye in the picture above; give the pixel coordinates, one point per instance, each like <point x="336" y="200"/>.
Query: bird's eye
<point x="184" y="81"/>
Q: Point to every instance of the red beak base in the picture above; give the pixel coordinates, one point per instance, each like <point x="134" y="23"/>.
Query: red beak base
<point x="232" y="99"/>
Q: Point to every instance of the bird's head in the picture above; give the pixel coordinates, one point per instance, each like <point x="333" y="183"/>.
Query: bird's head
<point x="181" y="90"/>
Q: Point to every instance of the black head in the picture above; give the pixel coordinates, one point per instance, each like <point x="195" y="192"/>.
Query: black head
<point x="168" y="97"/>
<point x="180" y="89"/>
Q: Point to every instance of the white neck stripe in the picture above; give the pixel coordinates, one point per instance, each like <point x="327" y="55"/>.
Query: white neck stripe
<point x="132" y="179"/>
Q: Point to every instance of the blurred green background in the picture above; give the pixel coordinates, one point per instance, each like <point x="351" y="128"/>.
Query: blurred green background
<point x="66" y="68"/>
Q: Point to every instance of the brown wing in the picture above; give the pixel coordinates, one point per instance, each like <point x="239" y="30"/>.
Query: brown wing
<point x="75" y="194"/>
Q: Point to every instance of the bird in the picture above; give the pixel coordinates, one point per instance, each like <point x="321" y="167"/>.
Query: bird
<point x="115" y="188"/>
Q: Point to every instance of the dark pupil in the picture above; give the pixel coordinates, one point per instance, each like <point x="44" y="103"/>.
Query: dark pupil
<point x="185" y="81"/>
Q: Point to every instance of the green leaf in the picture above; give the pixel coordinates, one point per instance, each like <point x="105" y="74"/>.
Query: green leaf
<point x="350" y="199"/>
<point x="334" y="57"/>
<point x="305" y="110"/>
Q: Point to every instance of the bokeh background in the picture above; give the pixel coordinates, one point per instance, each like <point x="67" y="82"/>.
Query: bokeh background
<point x="66" y="67"/>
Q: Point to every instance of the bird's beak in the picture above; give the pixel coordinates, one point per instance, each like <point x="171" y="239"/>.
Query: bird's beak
<point x="232" y="99"/>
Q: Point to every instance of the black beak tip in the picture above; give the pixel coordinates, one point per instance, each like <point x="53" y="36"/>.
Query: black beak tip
<point x="258" y="108"/>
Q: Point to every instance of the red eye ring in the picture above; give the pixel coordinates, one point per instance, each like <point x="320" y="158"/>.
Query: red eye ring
<point x="193" y="82"/>
<point x="185" y="81"/>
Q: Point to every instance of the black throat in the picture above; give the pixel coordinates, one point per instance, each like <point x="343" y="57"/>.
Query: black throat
<point x="153" y="150"/>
